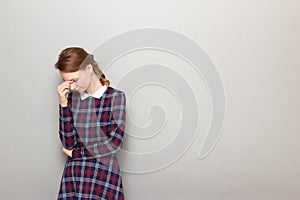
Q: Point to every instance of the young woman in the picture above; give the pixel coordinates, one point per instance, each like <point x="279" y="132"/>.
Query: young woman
<point x="91" y="129"/>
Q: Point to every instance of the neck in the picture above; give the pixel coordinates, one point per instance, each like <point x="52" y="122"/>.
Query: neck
<point x="95" y="84"/>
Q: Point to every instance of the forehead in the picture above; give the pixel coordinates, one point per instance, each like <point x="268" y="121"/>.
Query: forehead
<point x="69" y="75"/>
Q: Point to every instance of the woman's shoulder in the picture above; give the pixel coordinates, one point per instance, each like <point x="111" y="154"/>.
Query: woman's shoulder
<point x="116" y="96"/>
<point x="114" y="91"/>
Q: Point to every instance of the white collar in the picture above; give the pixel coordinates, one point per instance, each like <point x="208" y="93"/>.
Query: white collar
<point x="96" y="94"/>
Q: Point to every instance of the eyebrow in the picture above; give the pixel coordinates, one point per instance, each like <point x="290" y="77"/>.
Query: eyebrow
<point x="72" y="79"/>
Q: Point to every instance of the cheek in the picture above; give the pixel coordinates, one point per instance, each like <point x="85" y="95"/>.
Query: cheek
<point x="83" y="83"/>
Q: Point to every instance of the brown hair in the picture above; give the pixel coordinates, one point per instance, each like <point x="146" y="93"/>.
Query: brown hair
<point x="72" y="58"/>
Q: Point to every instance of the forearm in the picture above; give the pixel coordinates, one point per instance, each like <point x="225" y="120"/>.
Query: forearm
<point x="67" y="133"/>
<point x="100" y="149"/>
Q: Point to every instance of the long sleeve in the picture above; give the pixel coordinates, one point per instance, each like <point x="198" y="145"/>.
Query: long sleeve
<point x="67" y="133"/>
<point x="112" y="144"/>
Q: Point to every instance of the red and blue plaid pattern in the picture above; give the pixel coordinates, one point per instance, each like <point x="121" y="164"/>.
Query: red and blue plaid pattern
<point x="94" y="129"/>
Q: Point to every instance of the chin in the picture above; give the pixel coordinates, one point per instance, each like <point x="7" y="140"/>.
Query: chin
<point x="80" y="90"/>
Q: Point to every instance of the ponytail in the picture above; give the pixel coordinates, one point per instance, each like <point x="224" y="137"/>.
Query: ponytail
<point x="100" y="74"/>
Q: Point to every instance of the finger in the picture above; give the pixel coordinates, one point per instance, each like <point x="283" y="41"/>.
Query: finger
<point x="63" y="87"/>
<point x="65" y="93"/>
<point x="62" y="92"/>
<point x="64" y="150"/>
<point x="68" y="82"/>
<point x="72" y="86"/>
<point x="65" y="84"/>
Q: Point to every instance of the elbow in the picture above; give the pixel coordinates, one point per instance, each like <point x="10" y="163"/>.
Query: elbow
<point x="117" y="149"/>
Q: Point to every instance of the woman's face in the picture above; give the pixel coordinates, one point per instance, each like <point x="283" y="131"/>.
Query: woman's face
<point x="80" y="79"/>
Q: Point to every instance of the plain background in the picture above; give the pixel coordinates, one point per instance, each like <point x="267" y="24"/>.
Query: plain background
<point x="255" y="46"/>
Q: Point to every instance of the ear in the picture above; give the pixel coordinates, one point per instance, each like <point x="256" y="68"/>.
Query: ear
<point x="89" y="68"/>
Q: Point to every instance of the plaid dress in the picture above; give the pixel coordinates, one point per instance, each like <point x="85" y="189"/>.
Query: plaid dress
<point x="94" y="129"/>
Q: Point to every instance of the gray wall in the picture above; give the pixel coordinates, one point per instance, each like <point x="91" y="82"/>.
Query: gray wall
<point x="253" y="44"/>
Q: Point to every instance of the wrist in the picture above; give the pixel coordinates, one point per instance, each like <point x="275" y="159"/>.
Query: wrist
<point x="63" y="104"/>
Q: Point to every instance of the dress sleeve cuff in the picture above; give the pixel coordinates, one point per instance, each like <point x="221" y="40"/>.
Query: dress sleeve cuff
<point x="76" y="153"/>
<point x="81" y="153"/>
<point x="64" y="111"/>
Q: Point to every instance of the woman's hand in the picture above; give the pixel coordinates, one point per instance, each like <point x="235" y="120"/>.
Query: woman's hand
<point x="63" y="92"/>
<point x="67" y="152"/>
